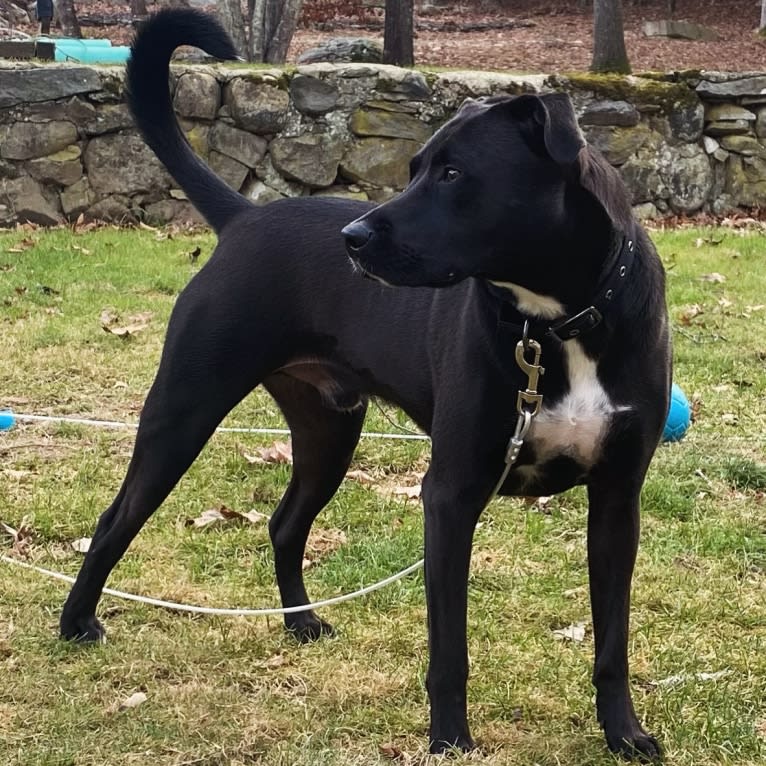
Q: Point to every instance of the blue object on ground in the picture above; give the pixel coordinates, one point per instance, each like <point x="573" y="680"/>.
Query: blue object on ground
<point x="679" y="416"/>
<point x="7" y="420"/>
<point x="87" y="51"/>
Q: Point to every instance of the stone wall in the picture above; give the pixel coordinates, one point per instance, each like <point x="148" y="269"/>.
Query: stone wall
<point x="683" y="142"/>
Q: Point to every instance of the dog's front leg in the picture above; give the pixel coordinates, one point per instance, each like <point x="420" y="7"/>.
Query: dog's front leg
<point x="451" y="513"/>
<point x="613" y="529"/>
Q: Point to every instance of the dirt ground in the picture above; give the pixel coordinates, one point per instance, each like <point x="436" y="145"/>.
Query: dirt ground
<point x="552" y="36"/>
<point x="562" y="37"/>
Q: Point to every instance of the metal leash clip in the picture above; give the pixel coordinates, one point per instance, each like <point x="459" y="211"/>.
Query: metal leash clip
<point x="529" y="401"/>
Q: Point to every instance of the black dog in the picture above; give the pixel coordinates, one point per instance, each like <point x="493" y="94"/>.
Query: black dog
<point x="515" y="220"/>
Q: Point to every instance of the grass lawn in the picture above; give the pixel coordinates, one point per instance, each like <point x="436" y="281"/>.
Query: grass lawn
<point x="238" y="691"/>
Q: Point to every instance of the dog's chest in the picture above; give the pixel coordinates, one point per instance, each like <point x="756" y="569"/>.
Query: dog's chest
<point x="574" y="425"/>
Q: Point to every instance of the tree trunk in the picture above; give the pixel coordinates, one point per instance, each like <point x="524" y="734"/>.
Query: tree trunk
<point x="398" y="33"/>
<point x="257" y="18"/>
<point x="230" y="16"/>
<point x="609" y="54"/>
<point x="762" y="25"/>
<point x="68" y="18"/>
<point x="138" y="11"/>
<point x="282" y="20"/>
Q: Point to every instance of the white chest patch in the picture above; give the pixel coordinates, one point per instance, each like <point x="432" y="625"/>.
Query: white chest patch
<point x="576" y="424"/>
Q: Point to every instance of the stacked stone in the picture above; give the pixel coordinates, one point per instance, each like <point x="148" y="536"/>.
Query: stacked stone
<point x="68" y="146"/>
<point x="735" y="137"/>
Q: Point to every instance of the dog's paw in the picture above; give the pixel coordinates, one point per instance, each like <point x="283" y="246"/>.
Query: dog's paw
<point x="451" y="746"/>
<point x="307" y="627"/>
<point x="83" y="631"/>
<point x="640" y="746"/>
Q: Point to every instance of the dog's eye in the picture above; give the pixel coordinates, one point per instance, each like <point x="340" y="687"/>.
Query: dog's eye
<point x="450" y="175"/>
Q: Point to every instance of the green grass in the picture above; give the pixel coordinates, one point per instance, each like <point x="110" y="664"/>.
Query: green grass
<point x="238" y="691"/>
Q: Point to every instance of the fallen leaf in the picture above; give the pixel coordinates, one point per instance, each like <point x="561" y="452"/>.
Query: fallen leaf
<point x="390" y="751"/>
<point x="321" y="543"/>
<point x="714" y="277"/>
<point x="256" y="517"/>
<point x="21" y="537"/>
<point x="136" y="323"/>
<point x="541" y="503"/>
<point x="688" y="313"/>
<point x="278" y="452"/>
<point x="410" y="493"/>
<point x="574" y="632"/>
<point x="82" y="545"/>
<point x="697" y="406"/>
<point x="214" y="516"/>
<point x="80" y="249"/>
<point x="135" y="699"/>
<point x="361" y="477"/>
<point x="729" y="419"/>
<point x="224" y="514"/>
<point x="22" y="245"/>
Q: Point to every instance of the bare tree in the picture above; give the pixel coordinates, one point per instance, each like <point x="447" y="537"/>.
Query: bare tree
<point x="230" y="15"/>
<point x="762" y="25"/>
<point x="281" y="20"/>
<point x="67" y="16"/>
<point x="398" y="33"/>
<point x="609" y="54"/>
<point x="266" y="31"/>
<point x="138" y="11"/>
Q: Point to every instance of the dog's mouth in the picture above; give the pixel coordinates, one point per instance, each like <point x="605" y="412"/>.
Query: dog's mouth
<point x="364" y="272"/>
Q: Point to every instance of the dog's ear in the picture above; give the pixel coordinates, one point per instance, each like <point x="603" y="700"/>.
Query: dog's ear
<point x="554" y="114"/>
<point x="563" y="137"/>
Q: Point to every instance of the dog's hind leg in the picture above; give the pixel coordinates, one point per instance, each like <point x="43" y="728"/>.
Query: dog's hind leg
<point x="172" y="432"/>
<point x="613" y="524"/>
<point x="323" y="442"/>
<point x="206" y="369"/>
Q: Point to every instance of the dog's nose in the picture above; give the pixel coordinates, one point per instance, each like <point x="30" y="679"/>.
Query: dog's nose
<point x="357" y="235"/>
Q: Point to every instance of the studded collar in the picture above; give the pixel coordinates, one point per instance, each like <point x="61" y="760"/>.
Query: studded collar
<point x="612" y="283"/>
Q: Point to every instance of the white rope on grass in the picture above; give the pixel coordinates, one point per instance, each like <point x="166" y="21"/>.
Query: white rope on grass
<point x="223" y="611"/>
<point x="273" y="431"/>
<point x="235" y="612"/>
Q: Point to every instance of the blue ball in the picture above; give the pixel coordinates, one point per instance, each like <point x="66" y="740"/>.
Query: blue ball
<point x="679" y="416"/>
<point x="7" y="420"/>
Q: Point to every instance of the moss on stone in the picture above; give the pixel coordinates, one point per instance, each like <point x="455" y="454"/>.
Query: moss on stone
<point x="638" y="90"/>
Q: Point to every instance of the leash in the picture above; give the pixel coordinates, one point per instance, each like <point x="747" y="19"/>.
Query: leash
<point x="528" y="405"/>
<point x="234" y="612"/>
<point x="116" y="424"/>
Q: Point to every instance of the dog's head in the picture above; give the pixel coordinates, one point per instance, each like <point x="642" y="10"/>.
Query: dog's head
<point x="496" y="190"/>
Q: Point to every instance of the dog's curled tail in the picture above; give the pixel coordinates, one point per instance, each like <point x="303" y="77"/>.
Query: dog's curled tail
<point x="149" y="100"/>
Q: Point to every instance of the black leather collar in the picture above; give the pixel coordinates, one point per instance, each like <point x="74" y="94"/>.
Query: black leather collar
<point x="615" y="277"/>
